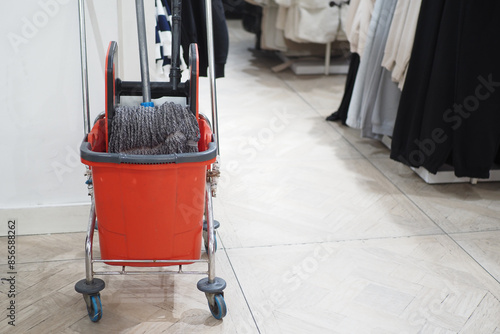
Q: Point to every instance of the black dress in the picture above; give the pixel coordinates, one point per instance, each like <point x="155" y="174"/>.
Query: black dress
<point x="411" y="106"/>
<point x="450" y="105"/>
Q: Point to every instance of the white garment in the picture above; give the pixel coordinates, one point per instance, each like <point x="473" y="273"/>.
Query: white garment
<point x="281" y="18"/>
<point x="358" y="24"/>
<point x="406" y="44"/>
<point x="271" y="38"/>
<point x="285" y="3"/>
<point x="395" y="34"/>
<point x="259" y="2"/>
<point x="344" y="10"/>
<point x="314" y="21"/>
<point x="353" y="9"/>
<point x="301" y="21"/>
<point x="400" y="41"/>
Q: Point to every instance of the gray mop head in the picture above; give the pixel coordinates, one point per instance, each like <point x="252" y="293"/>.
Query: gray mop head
<point x="166" y="129"/>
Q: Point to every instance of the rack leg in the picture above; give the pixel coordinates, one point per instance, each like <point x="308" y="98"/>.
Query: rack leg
<point x="328" y="52"/>
<point x="211" y="71"/>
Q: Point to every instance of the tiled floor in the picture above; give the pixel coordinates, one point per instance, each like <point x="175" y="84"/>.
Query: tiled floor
<point x="320" y="233"/>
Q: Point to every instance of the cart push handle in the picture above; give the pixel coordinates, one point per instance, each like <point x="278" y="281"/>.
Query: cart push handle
<point x="84" y="69"/>
<point x="211" y="72"/>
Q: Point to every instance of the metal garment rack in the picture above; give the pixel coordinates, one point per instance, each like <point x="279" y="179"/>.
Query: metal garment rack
<point x="446" y="174"/>
<point x="308" y="65"/>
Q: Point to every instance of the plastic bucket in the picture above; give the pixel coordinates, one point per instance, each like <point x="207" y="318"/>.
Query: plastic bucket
<point x="150" y="207"/>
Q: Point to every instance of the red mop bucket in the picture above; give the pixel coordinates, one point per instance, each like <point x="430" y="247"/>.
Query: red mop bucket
<point x="149" y="207"/>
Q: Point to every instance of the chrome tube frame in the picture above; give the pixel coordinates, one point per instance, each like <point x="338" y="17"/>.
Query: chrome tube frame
<point x="148" y="261"/>
<point x="84" y="69"/>
<point x="210" y="233"/>
<point x="89" y="271"/>
<point x="211" y="71"/>
<point x="159" y="272"/>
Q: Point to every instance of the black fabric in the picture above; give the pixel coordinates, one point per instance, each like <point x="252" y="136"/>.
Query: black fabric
<point x="341" y="113"/>
<point x="234" y="8"/>
<point x="450" y="105"/>
<point x="440" y="91"/>
<point x="477" y="139"/>
<point x="194" y="31"/>
<point x="410" y="112"/>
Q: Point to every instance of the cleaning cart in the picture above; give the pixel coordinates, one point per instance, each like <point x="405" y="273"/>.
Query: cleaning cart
<point x="151" y="210"/>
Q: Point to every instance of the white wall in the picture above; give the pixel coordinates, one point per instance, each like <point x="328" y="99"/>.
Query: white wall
<point x="41" y="124"/>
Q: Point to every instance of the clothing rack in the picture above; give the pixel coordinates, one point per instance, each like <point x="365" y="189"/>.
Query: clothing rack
<point x="307" y="65"/>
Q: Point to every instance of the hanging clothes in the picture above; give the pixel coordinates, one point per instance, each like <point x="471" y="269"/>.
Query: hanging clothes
<point x="410" y="112"/>
<point x="375" y="97"/>
<point x="194" y="31"/>
<point x="341" y="113"/>
<point x="357" y="22"/>
<point x="450" y="105"/>
<point x="163" y="47"/>
<point x="400" y="40"/>
<point x="305" y="16"/>
<point x="259" y="2"/>
<point x="394" y="39"/>
<point x="477" y="137"/>
<point x="272" y="38"/>
<point x="296" y="27"/>
<point x="397" y="59"/>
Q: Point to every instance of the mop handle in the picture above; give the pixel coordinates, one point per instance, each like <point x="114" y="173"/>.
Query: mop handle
<point x="143" y="52"/>
<point x="175" y="71"/>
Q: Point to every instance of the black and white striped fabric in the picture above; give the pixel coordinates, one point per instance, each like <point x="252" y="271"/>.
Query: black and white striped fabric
<point x="163" y="50"/>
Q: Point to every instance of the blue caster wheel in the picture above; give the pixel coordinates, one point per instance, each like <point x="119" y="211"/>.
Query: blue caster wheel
<point x="217" y="306"/>
<point x="94" y="307"/>
<point x="91" y="296"/>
